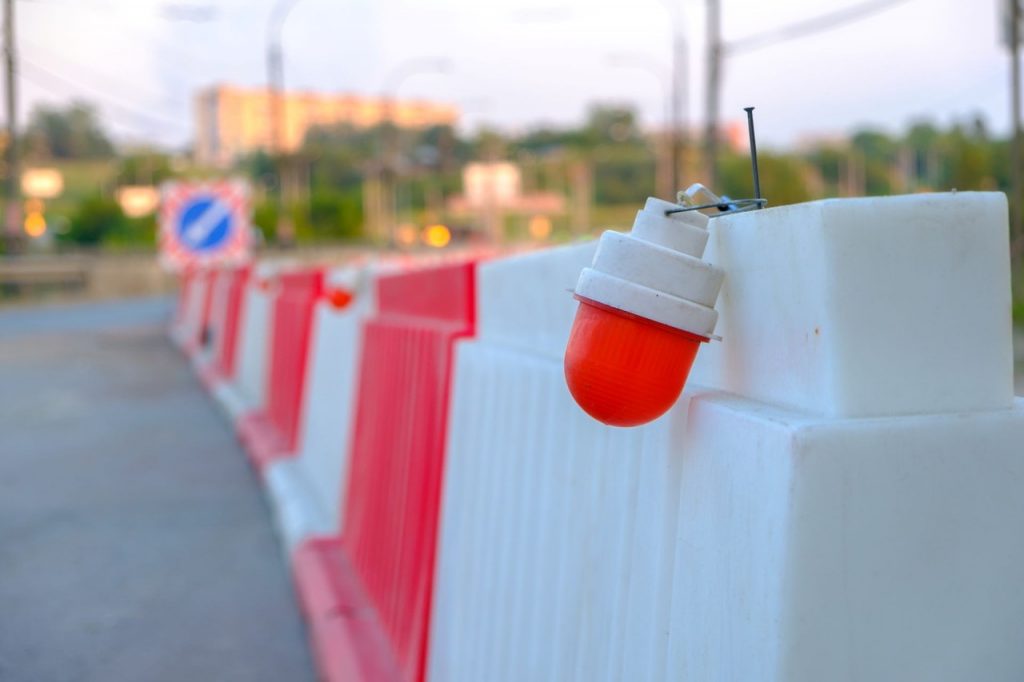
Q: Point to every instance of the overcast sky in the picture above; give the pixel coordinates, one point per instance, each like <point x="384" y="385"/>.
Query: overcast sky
<point x="519" y="63"/>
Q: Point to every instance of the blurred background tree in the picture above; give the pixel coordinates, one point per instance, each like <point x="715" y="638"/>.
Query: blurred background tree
<point x="73" y="132"/>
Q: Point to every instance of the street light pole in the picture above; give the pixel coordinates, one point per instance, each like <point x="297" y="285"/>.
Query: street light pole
<point x="679" y="84"/>
<point x="714" y="91"/>
<point x="387" y="208"/>
<point x="275" y="90"/>
<point x="718" y="50"/>
<point x="275" y="70"/>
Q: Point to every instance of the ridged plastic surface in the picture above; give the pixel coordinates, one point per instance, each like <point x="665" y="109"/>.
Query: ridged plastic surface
<point x="624" y="370"/>
<point x="558" y="534"/>
<point x="215" y="361"/>
<point x="247" y="389"/>
<point x="293" y="318"/>
<point x="397" y="456"/>
<point x="227" y="340"/>
<point x="307" y="489"/>
<point x="273" y="432"/>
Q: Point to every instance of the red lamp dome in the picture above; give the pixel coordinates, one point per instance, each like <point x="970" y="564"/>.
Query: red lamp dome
<point x="646" y="305"/>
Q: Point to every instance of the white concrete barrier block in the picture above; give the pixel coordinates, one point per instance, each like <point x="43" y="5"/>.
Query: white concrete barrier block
<point x="865" y="307"/>
<point x="194" y="297"/>
<point x="247" y="390"/>
<point x="876" y="549"/>
<point x="557" y="533"/>
<point x="732" y="539"/>
<point x="729" y="540"/>
<point x="525" y="301"/>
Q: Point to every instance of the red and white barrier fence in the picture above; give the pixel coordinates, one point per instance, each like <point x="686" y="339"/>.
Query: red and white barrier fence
<point x="217" y="362"/>
<point x="271" y="431"/>
<point x="307" y="489"/>
<point x="193" y="310"/>
<point x="834" y="497"/>
<point x="244" y="390"/>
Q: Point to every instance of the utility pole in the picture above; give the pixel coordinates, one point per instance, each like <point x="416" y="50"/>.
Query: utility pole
<point x="714" y="91"/>
<point x="718" y="50"/>
<point x="678" y="71"/>
<point x="11" y="194"/>
<point x="275" y="77"/>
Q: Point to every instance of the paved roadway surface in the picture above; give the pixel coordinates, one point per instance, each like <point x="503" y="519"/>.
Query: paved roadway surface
<point x="134" y="542"/>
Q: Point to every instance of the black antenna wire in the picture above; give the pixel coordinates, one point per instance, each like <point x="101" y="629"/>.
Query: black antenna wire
<point x="753" y="152"/>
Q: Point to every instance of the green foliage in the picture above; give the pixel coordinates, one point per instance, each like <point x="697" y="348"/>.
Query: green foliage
<point x="336" y="215"/>
<point x="132" y="233"/>
<point x="783" y="178"/>
<point x="95" y="218"/>
<point x="144" y="168"/>
<point x="328" y="216"/>
<point x="264" y="218"/>
<point x="606" y="126"/>
<point x="70" y="133"/>
<point x="626" y="179"/>
<point x="98" y="220"/>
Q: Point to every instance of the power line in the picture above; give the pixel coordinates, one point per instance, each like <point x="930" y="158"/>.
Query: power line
<point x="48" y="87"/>
<point x="155" y="39"/>
<point x="810" y="26"/>
<point x="66" y="65"/>
<point x="127" y="109"/>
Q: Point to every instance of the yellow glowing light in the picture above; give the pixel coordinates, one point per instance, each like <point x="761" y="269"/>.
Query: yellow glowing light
<point x="437" y="236"/>
<point x="35" y="224"/>
<point x="138" y="200"/>
<point x="406" y="234"/>
<point x="42" y="183"/>
<point x="539" y="227"/>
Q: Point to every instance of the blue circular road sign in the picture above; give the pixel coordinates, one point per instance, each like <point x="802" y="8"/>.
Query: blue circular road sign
<point x="206" y="223"/>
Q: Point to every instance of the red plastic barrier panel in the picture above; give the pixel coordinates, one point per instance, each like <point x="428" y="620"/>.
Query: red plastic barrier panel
<point x="222" y="365"/>
<point x="273" y="432"/>
<point x="385" y="556"/>
<point x="228" y="340"/>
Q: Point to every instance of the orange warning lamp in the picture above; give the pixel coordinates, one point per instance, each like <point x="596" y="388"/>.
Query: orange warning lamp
<point x="337" y="297"/>
<point x="646" y="305"/>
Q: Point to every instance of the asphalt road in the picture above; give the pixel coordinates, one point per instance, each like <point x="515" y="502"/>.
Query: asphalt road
<point x="134" y="541"/>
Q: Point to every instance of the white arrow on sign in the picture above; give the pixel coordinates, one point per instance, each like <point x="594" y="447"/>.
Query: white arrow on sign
<point x="198" y="231"/>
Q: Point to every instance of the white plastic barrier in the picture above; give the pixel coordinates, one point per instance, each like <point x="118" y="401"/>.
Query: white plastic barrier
<point x="306" y="489"/>
<point x="865" y="307"/>
<point x="783" y="539"/>
<point x="246" y="390"/>
<point x="220" y="279"/>
<point x="186" y="329"/>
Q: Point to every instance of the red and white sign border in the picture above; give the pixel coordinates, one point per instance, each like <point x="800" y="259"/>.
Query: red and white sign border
<point x="175" y="255"/>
